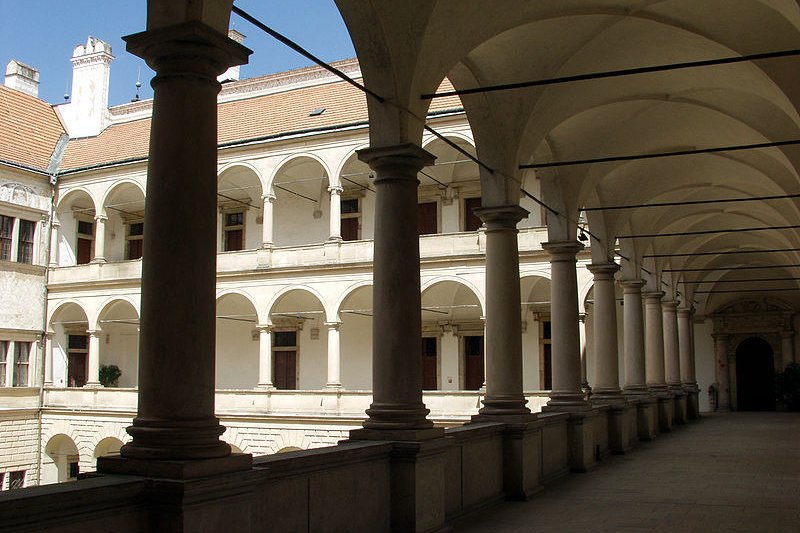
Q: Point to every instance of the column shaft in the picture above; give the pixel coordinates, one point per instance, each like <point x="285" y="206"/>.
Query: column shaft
<point x="566" y="356"/>
<point x="397" y="326"/>
<point x="633" y="316"/>
<point x="267" y="222"/>
<point x="100" y="239"/>
<point x="54" y="233"/>
<point x="722" y="372"/>
<point x="336" y="213"/>
<point x="672" y="364"/>
<point x="265" y="357"/>
<point x="606" y="353"/>
<point x="654" y="343"/>
<point x="176" y="352"/>
<point x="93" y="375"/>
<point x="504" y="395"/>
<point x="48" y="358"/>
<point x="334" y="364"/>
<point x="685" y="346"/>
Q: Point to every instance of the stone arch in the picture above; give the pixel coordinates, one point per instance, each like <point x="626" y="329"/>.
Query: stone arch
<point x="302" y="206"/>
<point x="118" y="322"/>
<point x="69" y="365"/>
<point x="60" y="459"/>
<point x="237" y="347"/>
<point x="348" y="157"/>
<point x="240" y="191"/>
<point x="354" y="313"/>
<point x="123" y="224"/>
<point x="76" y="210"/>
<point x="107" y="446"/>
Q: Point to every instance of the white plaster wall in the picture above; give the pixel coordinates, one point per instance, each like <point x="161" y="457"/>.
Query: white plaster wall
<point x="704" y="360"/>
<point x="236" y="355"/>
<point x="120" y="346"/>
<point x="530" y="356"/>
<point x="67" y="240"/>
<point x="312" y="357"/>
<point x="294" y="222"/>
<point x="355" y="337"/>
<point x="21" y="298"/>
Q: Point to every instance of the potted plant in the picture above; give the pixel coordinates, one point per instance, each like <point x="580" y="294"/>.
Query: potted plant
<point x="787" y="388"/>
<point x="109" y="375"/>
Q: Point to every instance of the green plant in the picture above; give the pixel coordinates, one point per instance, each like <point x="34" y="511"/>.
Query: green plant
<point x="109" y="375"/>
<point x="787" y="386"/>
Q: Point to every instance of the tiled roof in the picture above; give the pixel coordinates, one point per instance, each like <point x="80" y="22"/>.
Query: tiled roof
<point x="240" y="120"/>
<point x="29" y="129"/>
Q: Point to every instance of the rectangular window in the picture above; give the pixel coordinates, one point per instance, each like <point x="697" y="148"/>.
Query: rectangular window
<point x="16" y="480"/>
<point x="430" y="367"/>
<point x="351" y="219"/>
<point x="135" y="238"/>
<point x="22" y="351"/>
<point x="27" y="229"/>
<point x="428" y="218"/>
<point x="74" y="467"/>
<point x="85" y="242"/>
<point x="3" y="362"/>
<point x="234" y="231"/>
<point x="6" y="236"/>
<point x="470" y="219"/>
<point x="284" y="360"/>
<point x="77" y="355"/>
<point x="546" y="377"/>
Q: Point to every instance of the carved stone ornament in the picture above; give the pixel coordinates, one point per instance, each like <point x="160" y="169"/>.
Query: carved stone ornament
<point x="754" y="316"/>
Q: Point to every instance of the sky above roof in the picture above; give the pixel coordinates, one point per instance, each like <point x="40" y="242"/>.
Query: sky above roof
<point x="43" y="33"/>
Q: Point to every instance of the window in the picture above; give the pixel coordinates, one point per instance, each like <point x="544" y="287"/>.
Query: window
<point x="6" y="237"/>
<point x="77" y="354"/>
<point x="351" y="219"/>
<point x="430" y="367"/>
<point x="74" y="466"/>
<point x="546" y="369"/>
<point x="16" y="480"/>
<point x="22" y="351"/>
<point x="27" y="229"/>
<point x="428" y="218"/>
<point x="135" y="241"/>
<point x="284" y="360"/>
<point x="85" y="242"/>
<point x="3" y="363"/>
<point x="473" y="362"/>
<point x="470" y="219"/>
<point x="233" y="232"/>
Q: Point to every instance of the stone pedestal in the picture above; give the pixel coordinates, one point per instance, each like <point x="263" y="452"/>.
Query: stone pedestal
<point x="666" y="411"/>
<point x="418" y="498"/>
<point x="622" y="427"/>
<point x="581" y="440"/>
<point x="647" y="417"/>
<point x="681" y="407"/>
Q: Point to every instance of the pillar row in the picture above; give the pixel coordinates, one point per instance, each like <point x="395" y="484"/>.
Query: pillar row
<point x="654" y="343"/>
<point x="504" y="391"/>
<point x="633" y="343"/>
<point x="672" y="366"/>
<point x="606" y="354"/>
<point x="566" y="355"/>
<point x="685" y="342"/>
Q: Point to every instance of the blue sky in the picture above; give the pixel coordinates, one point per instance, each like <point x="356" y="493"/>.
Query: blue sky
<point x="43" y="33"/>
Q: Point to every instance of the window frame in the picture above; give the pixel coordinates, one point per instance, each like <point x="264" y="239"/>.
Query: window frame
<point x="350" y="197"/>
<point x="130" y="238"/>
<point x="84" y="236"/>
<point x="21" y="369"/>
<point x="7" y="240"/>
<point x="224" y="213"/>
<point x="5" y="348"/>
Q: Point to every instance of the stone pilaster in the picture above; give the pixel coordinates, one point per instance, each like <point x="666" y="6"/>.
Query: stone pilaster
<point x="334" y="363"/>
<point x="265" y="357"/>
<point x="336" y="213"/>
<point x="93" y="362"/>
<point x="267" y="221"/>
<point x="606" y="358"/>
<point x="722" y="372"/>
<point x="100" y="239"/>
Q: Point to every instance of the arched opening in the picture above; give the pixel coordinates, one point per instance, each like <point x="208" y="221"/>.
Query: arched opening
<point x="124" y="226"/>
<point x="356" y="339"/>
<point x="450" y="190"/>
<point x="60" y="460"/>
<point x="755" y="375"/>
<point x="536" y="351"/>
<point x="76" y="232"/>
<point x="107" y="446"/>
<point x="299" y="351"/>
<point x="119" y="344"/>
<point x="237" y="343"/>
<point x="70" y="346"/>
<point x="241" y="211"/>
<point x="357" y="201"/>
<point x="302" y="203"/>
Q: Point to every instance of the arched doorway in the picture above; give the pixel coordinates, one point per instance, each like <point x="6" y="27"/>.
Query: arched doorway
<point x="755" y="375"/>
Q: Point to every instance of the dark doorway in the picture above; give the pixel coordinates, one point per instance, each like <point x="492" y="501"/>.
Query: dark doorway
<point x="473" y="362"/>
<point x="755" y="376"/>
<point x="430" y="366"/>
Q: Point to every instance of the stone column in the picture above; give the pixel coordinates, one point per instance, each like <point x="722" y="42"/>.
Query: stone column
<point x="267" y="222"/>
<point x="397" y="410"/>
<point x="722" y="372"/>
<point x="635" y="380"/>
<point x="175" y="419"/>
<point x="503" y="317"/>
<point x="49" y="338"/>
<point x="606" y="356"/>
<point x="264" y="357"/>
<point x="93" y="375"/>
<point x="583" y="348"/>
<point x="334" y="364"/>
<point x="336" y="213"/>
<point x="787" y="347"/>
<point x="654" y="343"/>
<point x="566" y="356"/>
<point x="685" y="342"/>
<point x="100" y="239"/>
<point x="672" y="365"/>
<point x="54" y="233"/>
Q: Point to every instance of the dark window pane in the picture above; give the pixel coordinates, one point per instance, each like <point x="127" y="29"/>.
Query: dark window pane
<point x="285" y="338"/>
<point x="78" y="342"/>
<point x="546" y="330"/>
<point x="234" y="219"/>
<point x="135" y="230"/>
<point x="349" y="206"/>
<point x="471" y="220"/>
<point x="350" y="229"/>
<point x="428" y="219"/>
<point x="85" y="228"/>
<point x="16" y="480"/>
<point x="74" y="469"/>
<point x="84" y="255"/>
<point x="6" y="232"/>
<point x="135" y="248"/>
<point x="25" y="246"/>
<point x="429" y="346"/>
<point x="234" y="240"/>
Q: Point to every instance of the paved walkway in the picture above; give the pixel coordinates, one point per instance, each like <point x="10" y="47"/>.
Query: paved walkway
<point x="730" y="472"/>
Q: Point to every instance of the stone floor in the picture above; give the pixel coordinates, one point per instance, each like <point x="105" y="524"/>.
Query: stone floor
<point x="728" y="472"/>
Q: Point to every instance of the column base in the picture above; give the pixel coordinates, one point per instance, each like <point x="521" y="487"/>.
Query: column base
<point x="93" y="385"/>
<point x="567" y="402"/>
<point x="504" y="407"/>
<point x="175" y="440"/>
<point x="265" y="386"/>
<point x="622" y="426"/>
<point x="666" y="411"/>
<point x="174" y="469"/>
<point x="333" y="386"/>
<point x="681" y="411"/>
<point x="402" y="417"/>
<point x="692" y="401"/>
<point x="646" y="416"/>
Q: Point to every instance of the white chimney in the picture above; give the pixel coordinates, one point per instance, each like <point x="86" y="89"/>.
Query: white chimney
<point x="87" y="112"/>
<point x="232" y="74"/>
<point x="22" y="77"/>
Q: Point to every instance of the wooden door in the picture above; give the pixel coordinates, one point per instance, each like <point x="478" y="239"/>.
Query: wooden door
<point x="84" y="255"/>
<point x="76" y="369"/>
<point x="430" y="366"/>
<point x="471" y="220"/>
<point x="285" y="375"/>
<point x="473" y="362"/>
<point x="428" y="219"/>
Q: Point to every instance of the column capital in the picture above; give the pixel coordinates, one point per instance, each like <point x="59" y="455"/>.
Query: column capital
<point x="268" y="197"/>
<point x="265" y="327"/>
<point x="101" y="218"/>
<point x="335" y="189"/>
<point x="501" y="217"/>
<point x="395" y="160"/>
<point x="187" y="48"/>
<point x="333" y="325"/>
<point x="562" y="250"/>
<point x="94" y="332"/>
<point x="653" y="295"/>
<point x="603" y="271"/>
<point x="670" y="305"/>
<point x="685" y="311"/>
<point x="55" y="224"/>
<point x="632" y="285"/>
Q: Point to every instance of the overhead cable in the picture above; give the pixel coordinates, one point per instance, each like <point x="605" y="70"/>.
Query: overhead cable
<point x="693" y="202"/>
<point x="726" y="252"/>
<point x="717" y="269"/>
<point x="704" y="232"/>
